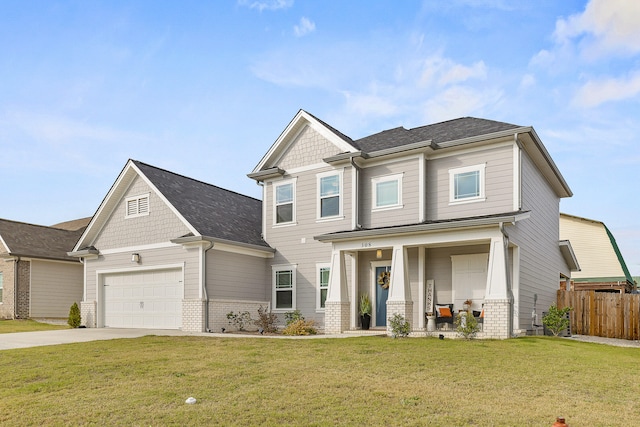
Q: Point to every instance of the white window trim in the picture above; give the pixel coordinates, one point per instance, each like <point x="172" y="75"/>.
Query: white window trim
<point x="320" y="266"/>
<point x="481" y="176"/>
<point x="319" y="217"/>
<point x="386" y="178"/>
<point x="283" y="267"/>
<point x="137" y="199"/>
<point x="293" y="208"/>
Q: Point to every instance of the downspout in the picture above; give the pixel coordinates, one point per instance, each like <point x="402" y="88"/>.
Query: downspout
<point x="507" y="267"/>
<point x="356" y="198"/>
<point x="204" y="289"/>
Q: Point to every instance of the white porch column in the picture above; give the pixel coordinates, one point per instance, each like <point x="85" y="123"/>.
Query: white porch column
<point x="336" y="316"/>
<point x="497" y="303"/>
<point x="399" y="300"/>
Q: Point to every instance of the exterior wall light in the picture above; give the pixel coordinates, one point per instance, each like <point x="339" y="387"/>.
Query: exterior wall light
<point x="379" y="254"/>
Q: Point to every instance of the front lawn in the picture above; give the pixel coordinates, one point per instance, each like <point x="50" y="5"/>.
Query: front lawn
<point x="9" y="326"/>
<point x="364" y="381"/>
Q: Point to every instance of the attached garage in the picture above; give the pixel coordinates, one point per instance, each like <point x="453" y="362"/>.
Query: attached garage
<point x="143" y="299"/>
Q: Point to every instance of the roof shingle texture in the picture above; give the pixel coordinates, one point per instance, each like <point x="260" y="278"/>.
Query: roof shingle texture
<point x="212" y="211"/>
<point x="38" y="241"/>
<point x="451" y="130"/>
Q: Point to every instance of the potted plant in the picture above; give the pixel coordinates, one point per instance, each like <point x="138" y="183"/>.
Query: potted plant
<point x="467" y="304"/>
<point x="365" y="311"/>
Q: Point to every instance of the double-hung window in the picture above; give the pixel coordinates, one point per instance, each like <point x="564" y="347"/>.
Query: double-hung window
<point x="284" y="287"/>
<point x="284" y="202"/>
<point x="387" y="191"/>
<point x="323" y="271"/>
<point x="329" y="195"/>
<point x="466" y="184"/>
<point x="137" y="206"/>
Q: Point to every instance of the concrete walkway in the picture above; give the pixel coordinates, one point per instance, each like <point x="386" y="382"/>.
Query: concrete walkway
<point x="67" y="336"/>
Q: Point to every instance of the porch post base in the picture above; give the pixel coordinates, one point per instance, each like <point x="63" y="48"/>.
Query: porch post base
<point x="336" y="317"/>
<point x="403" y="308"/>
<point x="497" y="319"/>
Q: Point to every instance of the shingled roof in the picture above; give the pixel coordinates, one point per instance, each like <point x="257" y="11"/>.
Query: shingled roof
<point x="37" y="241"/>
<point x="211" y="210"/>
<point x="450" y="130"/>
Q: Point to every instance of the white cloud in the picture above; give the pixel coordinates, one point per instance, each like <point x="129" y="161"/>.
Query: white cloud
<point x="304" y="27"/>
<point x="528" y="80"/>
<point x="605" y="26"/>
<point x="596" y="92"/>
<point x="266" y="4"/>
<point x="443" y="71"/>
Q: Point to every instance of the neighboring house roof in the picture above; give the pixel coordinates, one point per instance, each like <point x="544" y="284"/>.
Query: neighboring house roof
<point x="211" y="210"/>
<point x="37" y="241"/>
<point x="596" y="249"/>
<point x="207" y="210"/>
<point x="430" y="138"/>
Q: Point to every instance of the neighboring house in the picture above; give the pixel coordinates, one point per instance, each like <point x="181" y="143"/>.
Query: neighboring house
<point x="37" y="278"/>
<point x="170" y="252"/>
<point x="463" y="209"/>
<point x="602" y="265"/>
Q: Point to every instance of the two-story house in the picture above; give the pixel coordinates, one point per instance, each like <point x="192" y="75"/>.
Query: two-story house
<point x="440" y="214"/>
<point x="466" y="209"/>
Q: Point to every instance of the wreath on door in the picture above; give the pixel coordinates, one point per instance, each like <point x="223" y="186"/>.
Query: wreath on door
<point x="383" y="279"/>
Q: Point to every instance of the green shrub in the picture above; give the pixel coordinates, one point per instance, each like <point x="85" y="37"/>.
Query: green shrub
<point x="292" y="316"/>
<point x="239" y="320"/>
<point x="467" y="328"/>
<point x="74" y="316"/>
<point x="300" y="327"/>
<point x="555" y="320"/>
<point x="266" y="320"/>
<point x="399" y="326"/>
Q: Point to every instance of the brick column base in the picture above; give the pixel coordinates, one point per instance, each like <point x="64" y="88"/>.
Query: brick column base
<point x="403" y="308"/>
<point x="497" y="319"/>
<point x="336" y="317"/>
<point x="193" y="315"/>
<point x="88" y="313"/>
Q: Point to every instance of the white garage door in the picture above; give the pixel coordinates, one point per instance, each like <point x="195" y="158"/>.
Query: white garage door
<point x="148" y="299"/>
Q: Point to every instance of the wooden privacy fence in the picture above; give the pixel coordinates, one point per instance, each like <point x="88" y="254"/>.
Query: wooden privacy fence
<point x="603" y="314"/>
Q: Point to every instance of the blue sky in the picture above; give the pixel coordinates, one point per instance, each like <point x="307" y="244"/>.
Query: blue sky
<point x="204" y="88"/>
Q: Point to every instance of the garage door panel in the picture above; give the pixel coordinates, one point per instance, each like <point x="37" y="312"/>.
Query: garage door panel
<point x="150" y="299"/>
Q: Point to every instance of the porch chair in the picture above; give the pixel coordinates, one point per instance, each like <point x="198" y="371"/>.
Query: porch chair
<point x="444" y="314"/>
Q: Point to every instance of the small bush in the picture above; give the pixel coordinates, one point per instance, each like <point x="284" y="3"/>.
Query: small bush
<point x="300" y="327"/>
<point x="555" y="320"/>
<point x="399" y="326"/>
<point x="292" y="316"/>
<point x="266" y="320"/>
<point x="239" y="320"/>
<point x="467" y="328"/>
<point x="74" y="316"/>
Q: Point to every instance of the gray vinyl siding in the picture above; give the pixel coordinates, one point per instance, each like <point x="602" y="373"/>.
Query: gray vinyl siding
<point x="161" y="257"/>
<point x="238" y="277"/>
<point x="55" y="286"/>
<point x="540" y="259"/>
<point x="161" y="225"/>
<point x="409" y="212"/>
<point x="498" y="184"/>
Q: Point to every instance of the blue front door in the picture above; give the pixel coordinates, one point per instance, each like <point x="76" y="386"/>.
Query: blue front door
<point x="383" y="277"/>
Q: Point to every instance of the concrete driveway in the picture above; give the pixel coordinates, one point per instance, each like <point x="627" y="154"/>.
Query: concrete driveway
<point x="66" y="336"/>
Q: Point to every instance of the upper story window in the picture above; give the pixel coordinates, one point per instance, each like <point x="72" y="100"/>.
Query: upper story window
<point x="329" y="195"/>
<point x="387" y="191"/>
<point x="284" y="202"/>
<point x="137" y="206"/>
<point x="466" y="184"/>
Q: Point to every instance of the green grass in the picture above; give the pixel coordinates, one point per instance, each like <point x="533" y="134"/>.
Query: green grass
<point x="9" y="326"/>
<point x="354" y="381"/>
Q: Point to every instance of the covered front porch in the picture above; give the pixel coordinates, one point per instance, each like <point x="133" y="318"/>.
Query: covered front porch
<point x="412" y="270"/>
